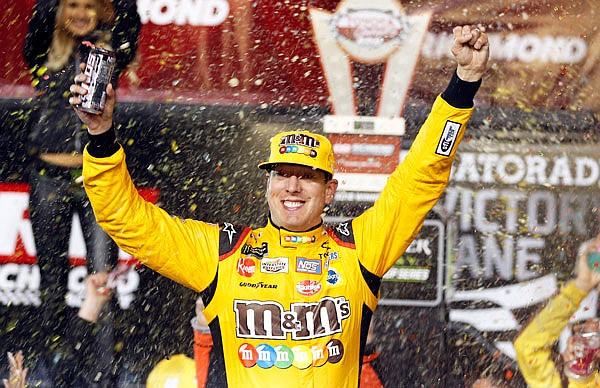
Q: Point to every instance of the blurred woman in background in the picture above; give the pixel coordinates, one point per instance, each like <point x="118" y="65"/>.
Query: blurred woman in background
<point x="53" y="51"/>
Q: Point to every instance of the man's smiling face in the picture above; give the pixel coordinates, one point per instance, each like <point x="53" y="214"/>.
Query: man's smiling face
<point x="297" y="195"/>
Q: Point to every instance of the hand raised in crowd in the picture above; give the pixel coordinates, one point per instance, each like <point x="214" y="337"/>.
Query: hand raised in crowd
<point x="17" y="375"/>
<point x="587" y="278"/>
<point x="201" y="319"/>
<point x="96" y="124"/>
<point x="570" y="352"/>
<point x="96" y="296"/>
<point x="471" y="51"/>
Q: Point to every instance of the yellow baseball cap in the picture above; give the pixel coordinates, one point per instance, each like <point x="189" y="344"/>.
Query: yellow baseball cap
<point x="301" y="147"/>
<point x="176" y="371"/>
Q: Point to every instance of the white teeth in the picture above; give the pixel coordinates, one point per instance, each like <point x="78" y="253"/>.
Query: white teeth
<point x="79" y="23"/>
<point x="292" y="204"/>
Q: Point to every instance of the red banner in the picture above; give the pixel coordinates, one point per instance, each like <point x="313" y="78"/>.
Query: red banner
<point x="544" y="55"/>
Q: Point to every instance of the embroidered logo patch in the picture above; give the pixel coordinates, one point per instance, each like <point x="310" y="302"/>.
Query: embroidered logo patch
<point x="333" y="276"/>
<point x="308" y="266"/>
<point x="246" y="266"/>
<point x="448" y="139"/>
<point x="274" y="265"/>
<point x="308" y="287"/>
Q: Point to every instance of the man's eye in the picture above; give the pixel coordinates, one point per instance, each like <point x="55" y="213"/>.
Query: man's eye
<point x="281" y="174"/>
<point x="305" y="177"/>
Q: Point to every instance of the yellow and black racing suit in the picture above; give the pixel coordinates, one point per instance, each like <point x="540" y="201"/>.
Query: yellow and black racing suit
<point x="285" y="309"/>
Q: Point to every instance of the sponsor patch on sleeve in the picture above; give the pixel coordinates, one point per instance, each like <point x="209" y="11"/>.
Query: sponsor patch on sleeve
<point x="448" y="138"/>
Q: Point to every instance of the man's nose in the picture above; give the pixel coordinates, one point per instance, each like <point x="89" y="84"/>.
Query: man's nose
<point x="293" y="184"/>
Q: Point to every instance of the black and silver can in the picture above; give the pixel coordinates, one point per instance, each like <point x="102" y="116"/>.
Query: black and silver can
<point x="98" y="73"/>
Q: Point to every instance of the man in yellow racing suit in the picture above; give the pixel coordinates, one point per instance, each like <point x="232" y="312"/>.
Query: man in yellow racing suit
<point x="534" y="344"/>
<point x="289" y="303"/>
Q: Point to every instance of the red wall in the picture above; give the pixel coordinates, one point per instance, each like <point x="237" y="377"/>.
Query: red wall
<point x="284" y="68"/>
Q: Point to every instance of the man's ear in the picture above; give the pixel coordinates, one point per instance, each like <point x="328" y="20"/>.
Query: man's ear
<point x="330" y="190"/>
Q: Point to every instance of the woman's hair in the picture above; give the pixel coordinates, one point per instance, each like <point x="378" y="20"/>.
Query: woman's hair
<point x="63" y="43"/>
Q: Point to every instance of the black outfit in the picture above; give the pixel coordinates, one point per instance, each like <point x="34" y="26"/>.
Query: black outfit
<point x="56" y="193"/>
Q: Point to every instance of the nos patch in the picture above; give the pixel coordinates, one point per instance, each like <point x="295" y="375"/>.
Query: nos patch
<point x="448" y="139"/>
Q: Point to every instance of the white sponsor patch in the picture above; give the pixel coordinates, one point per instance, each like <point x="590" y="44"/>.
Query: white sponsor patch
<point x="448" y="139"/>
<point x="274" y="265"/>
<point x="308" y="287"/>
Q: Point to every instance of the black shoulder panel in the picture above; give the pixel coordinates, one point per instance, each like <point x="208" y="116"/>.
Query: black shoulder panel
<point x="216" y="372"/>
<point x="343" y="234"/>
<point x="230" y="238"/>
<point x="373" y="281"/>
